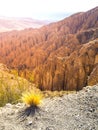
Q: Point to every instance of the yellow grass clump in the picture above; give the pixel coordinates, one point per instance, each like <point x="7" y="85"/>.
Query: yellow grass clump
<point x="31" y="98"/>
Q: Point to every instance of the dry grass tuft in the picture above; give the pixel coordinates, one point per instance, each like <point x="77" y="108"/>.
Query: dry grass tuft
<point x="31" y="98"/>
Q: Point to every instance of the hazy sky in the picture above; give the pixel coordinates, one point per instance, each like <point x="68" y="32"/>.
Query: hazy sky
<point x="44" y="9"/>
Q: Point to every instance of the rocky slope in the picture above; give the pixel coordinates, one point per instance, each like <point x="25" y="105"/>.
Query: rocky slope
<point x="78" y="111"/>
<point x="10" y="23"/>
<point x="61" y="56"/>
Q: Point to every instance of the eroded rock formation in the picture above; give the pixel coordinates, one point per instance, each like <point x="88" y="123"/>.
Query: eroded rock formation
<point x="61" y="56"/>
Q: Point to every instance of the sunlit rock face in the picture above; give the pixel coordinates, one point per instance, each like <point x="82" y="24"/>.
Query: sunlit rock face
<point x="61" y="56"/>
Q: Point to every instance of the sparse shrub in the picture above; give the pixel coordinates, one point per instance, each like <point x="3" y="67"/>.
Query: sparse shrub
<point x="32" y="98"/>
<point x="12" y="87"/>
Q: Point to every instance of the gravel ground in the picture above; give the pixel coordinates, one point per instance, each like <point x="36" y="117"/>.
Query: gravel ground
<point x="78" y="111"/>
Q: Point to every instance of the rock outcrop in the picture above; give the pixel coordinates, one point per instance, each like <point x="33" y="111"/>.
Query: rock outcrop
<point x="72" y="72"/>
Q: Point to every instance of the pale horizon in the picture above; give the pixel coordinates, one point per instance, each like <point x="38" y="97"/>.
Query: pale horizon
<point x="44" y="9"/>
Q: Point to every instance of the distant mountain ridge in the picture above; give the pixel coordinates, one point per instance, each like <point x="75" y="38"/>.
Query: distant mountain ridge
<point x="61" y="56"/>
<point x="11" y="23"/>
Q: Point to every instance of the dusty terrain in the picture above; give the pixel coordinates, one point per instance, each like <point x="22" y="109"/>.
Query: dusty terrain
<point x="78" y="111"/>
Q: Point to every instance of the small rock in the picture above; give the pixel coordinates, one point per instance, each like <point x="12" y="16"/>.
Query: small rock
<point x="50" y="128"/>
<point x="30" y="123"/>
<point x="92" y="110"/>
<point x="8" y="105"/>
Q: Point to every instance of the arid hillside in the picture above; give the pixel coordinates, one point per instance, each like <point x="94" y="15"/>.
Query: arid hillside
<point x="60" y="56"/>
<point x="78" y="111"/>
<point x="11" y="23"/>
<point x="12" y="86"/>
